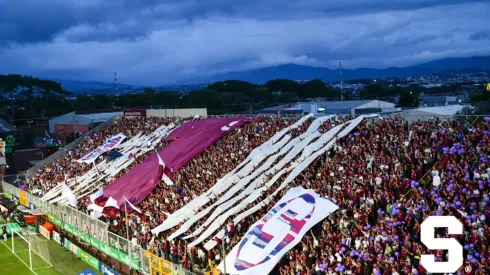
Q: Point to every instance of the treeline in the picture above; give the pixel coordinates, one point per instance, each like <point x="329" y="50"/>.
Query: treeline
<point x="235" y="96"/>
<point x="24" y="97"/>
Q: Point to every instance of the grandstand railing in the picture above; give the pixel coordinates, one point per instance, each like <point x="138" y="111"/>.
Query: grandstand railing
<point x="95" y="233"/>
<point x="31" y="171"/>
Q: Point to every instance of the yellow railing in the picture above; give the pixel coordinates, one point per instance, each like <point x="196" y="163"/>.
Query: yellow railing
<point x="158" y="265"/>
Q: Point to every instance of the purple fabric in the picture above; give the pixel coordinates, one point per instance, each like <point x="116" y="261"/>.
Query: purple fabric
<point x="189" y="140"/>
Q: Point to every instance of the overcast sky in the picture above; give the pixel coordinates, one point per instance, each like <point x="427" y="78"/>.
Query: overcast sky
<point x="162" y="41"/>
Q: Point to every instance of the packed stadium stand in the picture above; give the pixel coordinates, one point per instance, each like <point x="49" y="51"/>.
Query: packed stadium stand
<point x="381" y="176"/>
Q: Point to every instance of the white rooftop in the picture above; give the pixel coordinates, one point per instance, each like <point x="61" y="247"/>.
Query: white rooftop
<point x="442" y="110"/>
<point x="101" y="117"/>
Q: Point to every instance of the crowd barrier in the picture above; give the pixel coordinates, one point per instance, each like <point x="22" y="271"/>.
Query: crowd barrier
<point x="95" y="233"/>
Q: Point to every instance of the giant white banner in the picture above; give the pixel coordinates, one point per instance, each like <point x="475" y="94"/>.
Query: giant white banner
<point x="277" y="232"/>
<point x="108" y="145"/>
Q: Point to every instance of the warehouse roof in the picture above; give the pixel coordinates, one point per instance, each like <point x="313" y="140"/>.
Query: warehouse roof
<point x="101" y="117"/>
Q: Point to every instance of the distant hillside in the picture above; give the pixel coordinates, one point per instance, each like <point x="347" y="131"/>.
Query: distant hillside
<point x="90" y="86"/>
<point x="299" y="72"/>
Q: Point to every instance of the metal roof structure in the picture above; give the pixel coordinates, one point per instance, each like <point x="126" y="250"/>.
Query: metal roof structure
<point x="81" y="119"/>
<point x="330" y="107"/>
<point x="6" y="127"/>
<point x="442" y="112"/>
<point x="95" y="118"/>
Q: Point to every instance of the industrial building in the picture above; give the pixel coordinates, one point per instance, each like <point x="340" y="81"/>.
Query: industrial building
<point x="435" y="100"/>
<point x="318" y="108"/>
<point x="67" y="124"/>
<point x="442" y="112"/>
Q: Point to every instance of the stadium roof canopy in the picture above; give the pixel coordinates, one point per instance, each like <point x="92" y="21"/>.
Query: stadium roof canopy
<point x="442" y="112"/>
<point x="330" y="107"/>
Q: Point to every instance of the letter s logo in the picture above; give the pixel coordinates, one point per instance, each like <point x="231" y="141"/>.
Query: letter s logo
<point x="455" y="250"/>
<point x="283" y="220"/>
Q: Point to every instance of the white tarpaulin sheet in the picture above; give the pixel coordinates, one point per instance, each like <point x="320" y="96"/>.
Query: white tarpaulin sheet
<point x="243" y="180"/>
<point x="86" y="184"/>
<point x="281" y="133"/>
<point x="277" y="232"/>
<point x="271" y="146"/>
<point x="108" y="145"/>
<point x="320" y="146"/>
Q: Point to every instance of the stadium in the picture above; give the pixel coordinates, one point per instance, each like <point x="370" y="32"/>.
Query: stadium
<point x="196" y="194"/>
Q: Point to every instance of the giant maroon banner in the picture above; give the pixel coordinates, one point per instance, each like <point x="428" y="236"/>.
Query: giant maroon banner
<point x="188" y="141"/>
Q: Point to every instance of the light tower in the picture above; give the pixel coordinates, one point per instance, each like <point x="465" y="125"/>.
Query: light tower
<point x="340" y="78"/>
<point x="116" y="85"/>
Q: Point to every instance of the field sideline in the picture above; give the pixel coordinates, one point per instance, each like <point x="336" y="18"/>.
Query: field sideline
<point x="64" y="262"/>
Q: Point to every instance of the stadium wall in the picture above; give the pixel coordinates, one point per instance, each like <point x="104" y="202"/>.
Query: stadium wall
<point x="31" y="171"/>
<point x="202" y="112"/>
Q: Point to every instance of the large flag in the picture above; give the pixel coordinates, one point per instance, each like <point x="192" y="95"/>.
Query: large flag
<point x="166" y="175"/>
<point x="108" y="145"/>
<point x="109" y="206"/>
<point x="186" y="142"/>
<point x="277" y="232"/>
<point x="70" y="197"/>
<point x="96" y="195"/>
<point x="132" y="206"/>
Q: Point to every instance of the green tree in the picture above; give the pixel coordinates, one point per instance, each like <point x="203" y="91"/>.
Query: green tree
<point x="283" y="85"/>
<point x="26" y="97"/>
<point x="314" y="88"/>
<point x="408" y="99"/>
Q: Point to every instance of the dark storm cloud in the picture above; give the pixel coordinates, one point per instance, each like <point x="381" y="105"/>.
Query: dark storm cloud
<point x="483" y="35"/>
<point x="155" y="42"/>
<point x="31" y="21"/>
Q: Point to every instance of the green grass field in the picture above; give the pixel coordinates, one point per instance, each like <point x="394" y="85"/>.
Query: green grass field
<point x="63" y="261"/>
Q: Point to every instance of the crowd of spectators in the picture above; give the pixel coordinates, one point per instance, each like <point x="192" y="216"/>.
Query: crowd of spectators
<point x="67" y="166"/>
<point x="193" y="179"/>
<point x="387" y="176"/>
<point x="374" y="177"/>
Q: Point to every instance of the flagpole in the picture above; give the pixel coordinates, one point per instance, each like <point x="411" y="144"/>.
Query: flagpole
<point x="127" y="226"/>
<point x="223" y="252"/>
<point x="224" y="258"/>
<point x="95" y="165"/>
<point x="127" y="229"/>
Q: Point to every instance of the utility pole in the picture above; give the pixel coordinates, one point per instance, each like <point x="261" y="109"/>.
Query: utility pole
<point x="74" y="128"/>
<point x="340" y="78"/>
<point x="11" y="107"/>
<point x="116" y="85"/>
<point x="253" y="99"/>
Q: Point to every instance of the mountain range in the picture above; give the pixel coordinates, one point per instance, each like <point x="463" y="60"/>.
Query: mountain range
<point x="89" y="87"/>
<point x="300" y="72"/>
